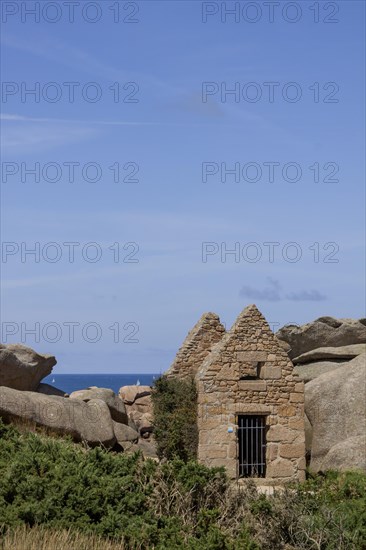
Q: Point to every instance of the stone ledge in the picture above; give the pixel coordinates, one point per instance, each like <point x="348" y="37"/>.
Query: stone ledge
<point x="248" y="356"/>
<point x="255" y="408"/>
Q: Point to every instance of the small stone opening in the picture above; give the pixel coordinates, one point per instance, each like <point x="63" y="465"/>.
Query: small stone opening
<point x="252" y="372"/>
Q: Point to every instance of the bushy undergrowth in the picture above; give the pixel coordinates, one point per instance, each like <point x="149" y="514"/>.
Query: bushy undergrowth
<point x="175" y="418"/>
<point x="56" y="485"/>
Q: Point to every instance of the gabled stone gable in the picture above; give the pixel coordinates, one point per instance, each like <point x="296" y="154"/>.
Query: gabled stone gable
<point x="249" y="372"/>
<point x="196" y="346"/>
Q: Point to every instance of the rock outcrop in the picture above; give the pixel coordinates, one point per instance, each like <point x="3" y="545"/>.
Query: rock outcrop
<point x="115" y="404"/>
<point x="126" y="437"/>
<point x="47" y="389"/>
<point x="197" y="345"/>
<point x="319" y="361"/>
<point x="331" y="353"/>
<point x="21" y="368"/>
<point x="139" y="407"/>
<point x="349" y="454"/>
<point x="323" y="332"/>
<point x="148" y="449"/>
<point x="129" y="394"/>
<point x="311" y="371"/>
<point x="335" y="408"/>
<point x="89" y="422"/>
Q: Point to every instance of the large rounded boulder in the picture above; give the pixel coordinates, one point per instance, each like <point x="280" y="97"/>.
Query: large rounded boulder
<point x="21" y="368"/>
<point x="335" y="408"/>
<point x="89" y="422"/>
<point x="115" y="404"/>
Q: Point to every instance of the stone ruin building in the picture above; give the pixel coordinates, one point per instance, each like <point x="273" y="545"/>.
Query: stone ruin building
<point x="250" y="402"/>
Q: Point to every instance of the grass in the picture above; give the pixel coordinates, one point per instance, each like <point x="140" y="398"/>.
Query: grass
<point x="41" y="538"/>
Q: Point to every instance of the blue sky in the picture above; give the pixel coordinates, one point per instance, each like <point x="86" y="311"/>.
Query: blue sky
<point x="164" y="137"/>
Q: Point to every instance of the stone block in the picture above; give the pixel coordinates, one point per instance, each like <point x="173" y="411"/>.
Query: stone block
<point x="281" y="434"/>
<point x="216" y="452"/>
<point x="232" y="450"/>
<point x="296" y="397"/>
<point x="280" y="468"/>
<point x="271" y="452"/>
<point x="251" y="356"/>
<point x="205" y="423"/>
<point x="287" y="410"/>
<point x="296" y="423"/>
<point x="255" y="408"/>
<point x="270" y="373"/>
<point x="296" y="450"/>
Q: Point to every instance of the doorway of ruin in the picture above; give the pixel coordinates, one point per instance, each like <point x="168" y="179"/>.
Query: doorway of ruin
<point x="251" y="445"/>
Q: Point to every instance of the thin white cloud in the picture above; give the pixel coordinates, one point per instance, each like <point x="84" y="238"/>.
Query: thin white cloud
<point x="24" y="136"/>
<point x="81" y="60"/>
<point x="21" y="118"/>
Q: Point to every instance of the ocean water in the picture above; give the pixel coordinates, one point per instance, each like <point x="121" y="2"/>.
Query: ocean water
<point x="72" y="382"/>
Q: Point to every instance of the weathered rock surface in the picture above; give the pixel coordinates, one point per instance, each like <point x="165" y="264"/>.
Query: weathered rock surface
<point x="196" y="346"/>
<point x="129" y="394"/>
<point x="115" y="404"/>
<point x="124" y="434"/>
<point x="139" y="407"/>
<point x="313" y="370"/>
<point x="325" y="331"/>
<point x="341" y="352"/>
<point x="21" y="368"/>
<point x="47" y="389"/>
<point x="349" y="454"/>
<point x="148" y="448"/>
<point x="90" y="422"/>
<point x="335" y="407"/>
<point x="308" y="434"/>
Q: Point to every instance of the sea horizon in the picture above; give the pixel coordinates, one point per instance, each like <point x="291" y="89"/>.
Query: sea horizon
<point x="114" y="381"/>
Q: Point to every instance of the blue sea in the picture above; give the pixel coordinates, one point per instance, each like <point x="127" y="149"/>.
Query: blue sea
<point x="72" y="382"/>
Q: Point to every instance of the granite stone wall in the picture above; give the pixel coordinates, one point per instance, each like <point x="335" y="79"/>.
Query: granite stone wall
<point x="197" y="345"/>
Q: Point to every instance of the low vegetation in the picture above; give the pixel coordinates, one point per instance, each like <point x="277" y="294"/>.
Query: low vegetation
<point x="42" y="538"/>
<point x="55" y="494"/>
<point x="175" y="418"/>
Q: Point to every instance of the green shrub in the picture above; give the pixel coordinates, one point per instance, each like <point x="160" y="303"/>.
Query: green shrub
<point x="65" y="492"/>
<point x="175" y="418"/>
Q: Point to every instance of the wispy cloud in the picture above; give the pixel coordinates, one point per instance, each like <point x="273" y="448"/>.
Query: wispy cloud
<point x="185" y="100"/>
<point x="80" y="60"/>
<point x="273" y="293"/>
<point x="306" y="296"/>
<point x="193" y="104"/>
<point x="21" y="118"/>
<point x="23" y="134"/>
<point x="268" y="294"/>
